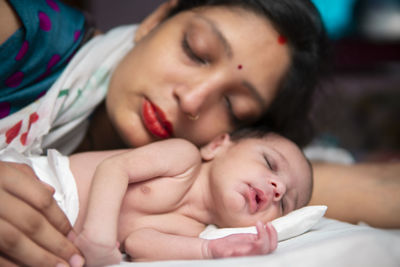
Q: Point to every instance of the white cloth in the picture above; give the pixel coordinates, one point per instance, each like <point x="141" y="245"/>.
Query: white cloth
<point x="59" y="118"/>
<point x="55" y="171"/>
<point x="330" y="243"/>
<point x="293" y="224"/>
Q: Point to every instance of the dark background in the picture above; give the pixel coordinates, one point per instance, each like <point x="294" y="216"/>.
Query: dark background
<point x="359" y="107"/>
<point x="109" y="14"/>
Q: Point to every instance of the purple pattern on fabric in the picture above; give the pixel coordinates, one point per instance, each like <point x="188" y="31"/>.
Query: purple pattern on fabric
<point x="71" y="56"/>
<point x="22" y="51"/>
<point x="44" y="21"/>
<point x="77" y="34"/>
<point x="15" y="79"/>
<point x="53" y="5"/>
<point x="4" y="109"/>
<point x="53" y="61"/>
<point x="41" y="94"/>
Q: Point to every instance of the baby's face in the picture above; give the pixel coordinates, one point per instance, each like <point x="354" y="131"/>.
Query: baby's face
<point x="222" y="64"/>
<point x="259" y="179"/>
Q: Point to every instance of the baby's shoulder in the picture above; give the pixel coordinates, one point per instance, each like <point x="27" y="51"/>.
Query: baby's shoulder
<point x="179" y="144"/>
<point x="179" y="148"/>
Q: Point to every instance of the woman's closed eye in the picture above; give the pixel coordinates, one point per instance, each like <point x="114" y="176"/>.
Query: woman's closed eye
<point x="235" y="120"/>
<point x="190" y="53"/>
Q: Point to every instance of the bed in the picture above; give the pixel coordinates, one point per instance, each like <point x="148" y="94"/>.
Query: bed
<point x="327" y="243"/>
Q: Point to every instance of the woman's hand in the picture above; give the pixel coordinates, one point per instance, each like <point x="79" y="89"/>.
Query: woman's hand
<point x="33" y="229"/>
<point x="264" y="242"/>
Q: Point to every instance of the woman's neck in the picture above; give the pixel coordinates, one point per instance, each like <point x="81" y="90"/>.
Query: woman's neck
<point x="101" y="134"/>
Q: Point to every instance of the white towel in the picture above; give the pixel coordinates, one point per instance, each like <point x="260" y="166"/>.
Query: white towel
<point x="293" y="224"/>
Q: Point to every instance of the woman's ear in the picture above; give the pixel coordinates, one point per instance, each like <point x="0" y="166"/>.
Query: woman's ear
<point x="154" y="19"/>
<point x="209" y="151"/>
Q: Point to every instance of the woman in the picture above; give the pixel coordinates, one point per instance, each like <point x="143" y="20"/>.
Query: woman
<point x="200" y="67"/>
<point x="236" y="77"/>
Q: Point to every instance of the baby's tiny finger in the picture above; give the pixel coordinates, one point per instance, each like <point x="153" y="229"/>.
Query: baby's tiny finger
<point x="260" y="230"/>
<point x="273" y="236"/>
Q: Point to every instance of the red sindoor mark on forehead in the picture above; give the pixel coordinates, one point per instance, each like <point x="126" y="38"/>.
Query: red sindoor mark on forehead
<point x="240" y="67"/>
<point x="282" y="40"/>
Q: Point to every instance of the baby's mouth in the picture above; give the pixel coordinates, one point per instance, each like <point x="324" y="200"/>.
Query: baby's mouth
<point x="257" y="199"/>
<point x="155" y="120"/>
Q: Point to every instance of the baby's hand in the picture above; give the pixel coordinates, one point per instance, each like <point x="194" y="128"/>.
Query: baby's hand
<point x="264" y="242"/>
<point x="97" y="254"/>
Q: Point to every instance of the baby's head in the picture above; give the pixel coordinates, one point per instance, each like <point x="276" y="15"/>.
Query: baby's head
<point x="256" y="176"/>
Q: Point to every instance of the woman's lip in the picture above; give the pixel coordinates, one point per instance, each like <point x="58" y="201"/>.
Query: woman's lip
<point x="155" y="120"/>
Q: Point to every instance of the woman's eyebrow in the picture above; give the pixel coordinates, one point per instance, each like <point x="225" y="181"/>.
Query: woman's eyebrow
<point x="228" y="51"/>
<point x="218" y="33"/>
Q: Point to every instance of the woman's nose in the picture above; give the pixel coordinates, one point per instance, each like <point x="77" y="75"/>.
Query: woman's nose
<point x="192" y="99"/>
<point x="278" y="189"/>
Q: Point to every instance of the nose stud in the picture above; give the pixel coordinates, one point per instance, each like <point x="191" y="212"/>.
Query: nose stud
<point x="193" y="118"/>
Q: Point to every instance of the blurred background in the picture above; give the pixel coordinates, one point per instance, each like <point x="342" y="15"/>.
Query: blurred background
<point x="359" y="106"/>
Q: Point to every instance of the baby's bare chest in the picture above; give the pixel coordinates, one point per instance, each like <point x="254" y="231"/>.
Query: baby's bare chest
<point x="158" y="204"/>
<point x="161" y="195"/>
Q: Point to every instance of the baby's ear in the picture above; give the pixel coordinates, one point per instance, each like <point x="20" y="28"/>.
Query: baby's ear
<point x="154" y="19"/>
<point x="209" y="151"/>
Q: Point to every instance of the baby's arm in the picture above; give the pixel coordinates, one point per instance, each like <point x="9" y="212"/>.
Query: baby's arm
<point x="149" y="244"/>
<point x="112" y="176"/>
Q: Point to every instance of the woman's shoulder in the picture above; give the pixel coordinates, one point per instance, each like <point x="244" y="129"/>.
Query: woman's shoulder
<point x="9" y="21"/>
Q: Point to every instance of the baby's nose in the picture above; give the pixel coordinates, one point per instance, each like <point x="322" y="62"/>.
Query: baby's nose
<point x="278" y="189"/>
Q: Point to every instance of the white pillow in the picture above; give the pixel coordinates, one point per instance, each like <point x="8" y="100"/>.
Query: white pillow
<point x="293" y="224"/>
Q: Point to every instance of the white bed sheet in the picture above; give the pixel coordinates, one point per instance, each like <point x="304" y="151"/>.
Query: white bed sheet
<point x="328" y="243"/>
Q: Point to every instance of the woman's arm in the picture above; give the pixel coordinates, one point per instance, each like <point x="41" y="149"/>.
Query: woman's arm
<point x="9" y="21"/>
<point x="368" y="192"/>
<point x="33" y="229"/>
<point x="148" y="244"/>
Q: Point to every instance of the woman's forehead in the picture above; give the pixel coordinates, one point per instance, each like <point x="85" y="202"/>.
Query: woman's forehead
<point x="252" y="42"/>
<point x="226" y="17"/>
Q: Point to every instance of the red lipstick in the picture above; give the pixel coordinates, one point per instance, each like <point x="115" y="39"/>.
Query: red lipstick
<point x="155" y="120"/>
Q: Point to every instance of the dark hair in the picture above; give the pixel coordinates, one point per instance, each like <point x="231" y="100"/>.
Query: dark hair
<point x="301" y="24"/>
<point x="259" y="132"/>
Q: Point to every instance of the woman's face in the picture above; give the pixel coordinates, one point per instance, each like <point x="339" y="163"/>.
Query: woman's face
<point x="201" y="73"/>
